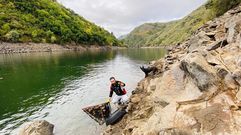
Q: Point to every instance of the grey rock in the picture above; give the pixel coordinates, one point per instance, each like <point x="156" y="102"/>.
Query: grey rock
<point x="237" y="76"/>
<point x="217" y="44"/>
<point x="233" y="26"/>
<point x="198" y="40"/>
<point x="199" y="70"/>
<point x="239" y="63"/>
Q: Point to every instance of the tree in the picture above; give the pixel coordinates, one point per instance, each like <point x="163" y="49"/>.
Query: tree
<point x="13" y="36"/>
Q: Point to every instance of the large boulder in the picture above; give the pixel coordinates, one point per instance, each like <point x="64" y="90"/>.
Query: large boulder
<point x="38" y="127"/>
<point x="196" y="66"/>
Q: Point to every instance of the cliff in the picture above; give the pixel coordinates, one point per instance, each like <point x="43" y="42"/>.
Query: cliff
<point x="196" y="87"/>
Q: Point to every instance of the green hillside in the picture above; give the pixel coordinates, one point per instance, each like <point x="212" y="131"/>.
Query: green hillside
<point x="155" y="34"/>
<point x="47" y="21"/>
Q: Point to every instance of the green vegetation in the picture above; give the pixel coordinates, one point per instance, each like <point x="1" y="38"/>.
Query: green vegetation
<point x="47" y="21"/>
<point x="155" y="34"/>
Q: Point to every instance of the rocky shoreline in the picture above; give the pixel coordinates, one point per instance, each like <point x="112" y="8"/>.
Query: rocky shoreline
<point x="195" y="89"/>
<point x="9" y="48"/>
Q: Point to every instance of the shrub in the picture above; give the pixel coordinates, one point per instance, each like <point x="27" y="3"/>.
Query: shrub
<point x="13" y="36"/>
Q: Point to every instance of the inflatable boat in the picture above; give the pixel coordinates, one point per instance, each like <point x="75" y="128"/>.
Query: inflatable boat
<point x="101" y="113"/>
<point x="115" y="117"/>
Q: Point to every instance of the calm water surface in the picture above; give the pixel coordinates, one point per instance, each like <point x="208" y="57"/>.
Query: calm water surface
<point x="55" y="86"/>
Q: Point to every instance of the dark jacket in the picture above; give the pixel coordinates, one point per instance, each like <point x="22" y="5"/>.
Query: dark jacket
<point x="116" y="87"/>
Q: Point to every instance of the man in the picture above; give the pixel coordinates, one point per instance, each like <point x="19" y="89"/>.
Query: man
<point x="118" y="87"/>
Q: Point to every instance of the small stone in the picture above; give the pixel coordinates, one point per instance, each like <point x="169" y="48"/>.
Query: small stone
<point x="108" y="129"/>
<point x="135" y="99"/>
<point x="217" y="44"/>
<point x="239" y="63"/>
<point x="237" y="76"/>
<point x="129" y="107"/>
<point x="153" y="87"/>
<point x="222" y="72"/>
<point x="238" y="95"/>
<point x="152" y="62"/>
<point x="230" y="82"/>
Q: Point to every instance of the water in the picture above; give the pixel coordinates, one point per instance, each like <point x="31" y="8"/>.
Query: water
<point x="55" y="86"/>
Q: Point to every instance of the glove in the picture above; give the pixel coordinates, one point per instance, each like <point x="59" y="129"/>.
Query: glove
<point x="109" y="99"/>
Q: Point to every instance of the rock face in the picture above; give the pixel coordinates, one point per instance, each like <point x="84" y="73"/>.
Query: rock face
<point x="40" y="127"/>
<point x="196" y="90"/>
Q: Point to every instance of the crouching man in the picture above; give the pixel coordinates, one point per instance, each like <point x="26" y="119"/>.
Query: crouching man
<point x="121" y="97"/>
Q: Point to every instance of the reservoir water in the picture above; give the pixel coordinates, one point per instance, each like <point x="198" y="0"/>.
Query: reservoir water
<point x="55" y="86"/>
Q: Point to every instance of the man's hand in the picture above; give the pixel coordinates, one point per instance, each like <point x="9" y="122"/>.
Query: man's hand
<point x="122" y="84"/>
<point x="109" y="99"/>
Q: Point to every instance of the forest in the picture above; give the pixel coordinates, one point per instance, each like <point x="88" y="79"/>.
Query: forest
<point x="46" y="21"/>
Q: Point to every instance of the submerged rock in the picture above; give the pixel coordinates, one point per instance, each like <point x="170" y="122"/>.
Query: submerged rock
<point x="39" y="127"/>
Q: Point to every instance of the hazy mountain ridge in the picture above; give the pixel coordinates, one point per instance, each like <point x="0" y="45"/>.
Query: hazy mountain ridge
<point x="155" y="34"/>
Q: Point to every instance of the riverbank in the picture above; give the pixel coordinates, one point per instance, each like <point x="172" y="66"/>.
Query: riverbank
<point x="8" y="48"/>
<point x="195" y="89"/>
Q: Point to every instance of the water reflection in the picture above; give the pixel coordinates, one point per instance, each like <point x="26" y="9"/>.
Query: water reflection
<point x="30" y="80"/>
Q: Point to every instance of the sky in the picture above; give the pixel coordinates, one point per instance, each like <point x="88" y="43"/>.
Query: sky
<point x="122" y="16"/>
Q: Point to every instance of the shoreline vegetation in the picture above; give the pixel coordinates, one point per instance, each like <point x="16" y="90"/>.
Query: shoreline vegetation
<point x="47" y="21"/>
<point x="11" y="48"/>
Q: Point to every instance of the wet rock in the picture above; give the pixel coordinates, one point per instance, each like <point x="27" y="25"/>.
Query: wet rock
<point x="39" y="127"/>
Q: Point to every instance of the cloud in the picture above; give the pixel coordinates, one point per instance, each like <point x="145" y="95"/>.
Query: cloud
<point x="121" y="16"/>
